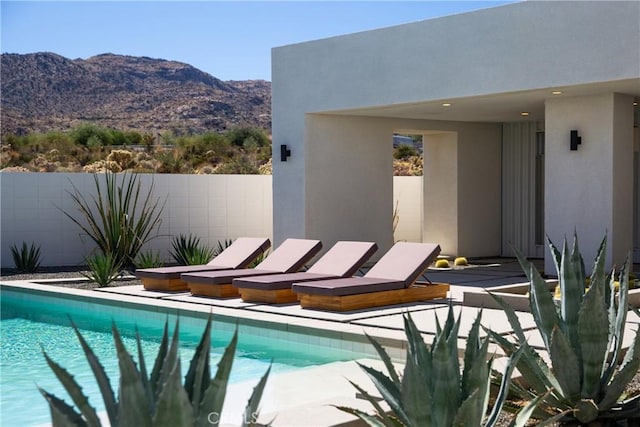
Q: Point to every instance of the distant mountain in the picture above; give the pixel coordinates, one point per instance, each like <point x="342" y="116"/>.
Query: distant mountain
<point x="45" y="91"/>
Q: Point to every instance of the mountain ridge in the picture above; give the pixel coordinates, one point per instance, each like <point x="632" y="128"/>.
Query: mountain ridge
<point x="45" y="91"/>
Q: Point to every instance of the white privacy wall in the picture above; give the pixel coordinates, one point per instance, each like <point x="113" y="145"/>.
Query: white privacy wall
<point x="212" y="207"/>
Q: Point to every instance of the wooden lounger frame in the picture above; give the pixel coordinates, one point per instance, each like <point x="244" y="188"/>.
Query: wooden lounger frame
<point x="164" y="285"/>
<point x="416" y="292"/>
<point x="269" y="296"/>
<point x="218" y="290"/>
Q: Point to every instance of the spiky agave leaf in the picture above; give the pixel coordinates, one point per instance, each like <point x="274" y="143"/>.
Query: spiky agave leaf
<point x="389" y="391"/>
<point x="627" y="370"/>
<point x="445" y="373"/>
<point x="133" y="404"/>
<point x="104" y="384"/>
<point x="617" y="330"/>
<point x="75" y="392"/>
<point x="381" y="414"/>
<point x="143" y="375"/>
<point x="415" y="386"/>
<point x="62" y="415"/>
<point x="154" y="380"/>
<point x="503" y="391"/>
<point x="199" y="374"/>
<point x="571" y="278"/>
<point x="251" y="411"/>
<point x="530" y="364"/>
<point x="384" y="356"/>
<point x="215" y="394"/>
<point x="173" y="407"/>
<point x="593" y="333"/>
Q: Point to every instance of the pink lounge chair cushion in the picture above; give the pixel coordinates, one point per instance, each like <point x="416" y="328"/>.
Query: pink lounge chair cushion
<point x="344" y="258"/>
<point x="167" y="273"/>
<point x="274" y="282"/>
<point x="222" y="277"/>
<point x="291" y="255"/>
<point x="405" y="262"/>
<point x="241" y="252"/>
<point x="238" y="255"/>
<point x="347" y="286"/>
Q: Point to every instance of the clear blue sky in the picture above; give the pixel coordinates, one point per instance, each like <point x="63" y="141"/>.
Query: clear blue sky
<point x="231" y="40"/>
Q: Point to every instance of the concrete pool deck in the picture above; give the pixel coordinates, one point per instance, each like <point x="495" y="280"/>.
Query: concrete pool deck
<point x="305" y="397"/>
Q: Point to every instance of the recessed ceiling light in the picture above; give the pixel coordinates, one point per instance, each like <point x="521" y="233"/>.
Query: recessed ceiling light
<point x="556" y="92"/>
<point x="635" y="103"/>
<point x="524" y="113"/>
<point x="446" y="104"/>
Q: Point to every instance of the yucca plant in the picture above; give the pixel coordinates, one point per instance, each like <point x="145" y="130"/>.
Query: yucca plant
<point x="583" y="337"/>
<point x="26" y="258"/>
<point x="120" y="218"/>
<point x="159" y="399"/>
<point x="432" y="390"/>
<point x="148" y="259"/>
<point x="189" y="250"/>
<point x="103" y="269"/>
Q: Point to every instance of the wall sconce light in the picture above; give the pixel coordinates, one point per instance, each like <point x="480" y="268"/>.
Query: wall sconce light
<point x="575" y="140"/>
<point x="284" y="153"/>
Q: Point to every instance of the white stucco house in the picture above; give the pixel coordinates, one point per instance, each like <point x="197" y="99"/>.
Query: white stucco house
<point x="497" y="95"/>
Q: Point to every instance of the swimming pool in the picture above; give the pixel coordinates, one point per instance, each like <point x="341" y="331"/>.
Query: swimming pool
<point x="31" y="320"/>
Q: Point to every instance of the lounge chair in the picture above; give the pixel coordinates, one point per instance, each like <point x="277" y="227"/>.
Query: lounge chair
<point x="342" y="260"/>
<point x="390" y="281"/>
<point x="289" y="257"/>
<point x="242" y="252"/>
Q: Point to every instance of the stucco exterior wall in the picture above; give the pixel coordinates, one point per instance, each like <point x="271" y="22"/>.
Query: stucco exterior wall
<point x="505" y="50"/>
<point x="590" y="190"/>
<point x="349" y="180"/>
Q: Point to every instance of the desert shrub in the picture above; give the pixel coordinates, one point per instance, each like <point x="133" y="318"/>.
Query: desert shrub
<point x="156" y="399"/>
<point x="103" y="269"/>
<point x="189" y="250"/>
<point x="583" y="336"/>
<point x="119" y="218"/>
<point x="90" y="135"/>
<point x="243" y="135"/>
<point x="26" y="258"/>
<point x="434" y="389"/>
<point x="404" y="152"/>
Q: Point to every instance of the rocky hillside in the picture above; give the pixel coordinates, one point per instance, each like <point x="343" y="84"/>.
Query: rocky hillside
<point x="44" y="91"/>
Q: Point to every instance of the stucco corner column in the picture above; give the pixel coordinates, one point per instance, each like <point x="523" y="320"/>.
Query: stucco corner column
<point x="589" y="190"/>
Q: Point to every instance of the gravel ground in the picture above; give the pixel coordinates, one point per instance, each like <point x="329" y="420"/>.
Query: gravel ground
<point x="75" y="273"/>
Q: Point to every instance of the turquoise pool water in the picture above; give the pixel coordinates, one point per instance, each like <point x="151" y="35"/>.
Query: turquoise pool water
<point x="32" y="322"/>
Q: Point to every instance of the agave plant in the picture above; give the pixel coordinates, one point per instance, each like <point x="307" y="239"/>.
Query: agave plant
<point x="432" y="390"/>
<point x="159" y="399"/>
<point x="104" y="269"/>
<point x="26" y="258"/>
<point x="119" y="218"/>
<point x="583" y="337"/>
<point x="148" y="259"/>
<point x="189" y="250"/>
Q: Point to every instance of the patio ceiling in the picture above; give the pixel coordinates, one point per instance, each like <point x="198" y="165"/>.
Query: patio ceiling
<point x="505" y="107"/>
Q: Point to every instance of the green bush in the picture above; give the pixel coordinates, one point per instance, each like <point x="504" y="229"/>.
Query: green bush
<point x="189" y="250"/>
<point x="433" y="391"/>
<point x="158" y="399"/>
<point x="583" y="337"/>
<point x="120" y="218"/>
<point x="103" y="269"/>
<point x="26" y="258"/>
<point x="148" y="259"/>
